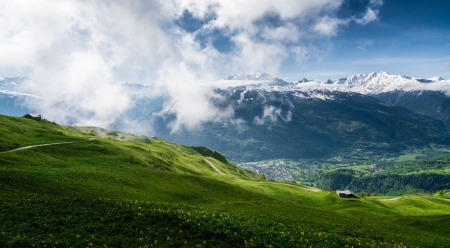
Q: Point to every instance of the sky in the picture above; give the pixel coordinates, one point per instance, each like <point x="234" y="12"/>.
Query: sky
<point x="410" y="38"/>
<point x="77" y="54"/>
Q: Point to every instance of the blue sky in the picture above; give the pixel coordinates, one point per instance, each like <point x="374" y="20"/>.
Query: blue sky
<point x="409" y="37"/>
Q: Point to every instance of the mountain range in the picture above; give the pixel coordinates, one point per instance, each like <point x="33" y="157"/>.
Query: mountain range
<point x="305" y="119"/>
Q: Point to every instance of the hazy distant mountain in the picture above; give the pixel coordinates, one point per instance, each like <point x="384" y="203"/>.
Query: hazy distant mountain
<point x="254" y="76"/>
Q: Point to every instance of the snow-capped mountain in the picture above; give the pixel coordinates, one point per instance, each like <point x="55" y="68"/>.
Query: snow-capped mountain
<point x="374" y="82"/>
<point x="379" y="82"/>
<point x="263" y="82"/>
<point x="430" y="80"/>
<point x="254" y="76"/>
<point x="369" y="84"/>
<point x="427" y="96"/>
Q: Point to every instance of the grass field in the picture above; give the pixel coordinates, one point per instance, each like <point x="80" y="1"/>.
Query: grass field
<point x="118" y="189"/>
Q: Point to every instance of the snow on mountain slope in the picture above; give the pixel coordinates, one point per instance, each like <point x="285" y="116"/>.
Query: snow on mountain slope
<point x="254" y="76"/>
<point x="381" y="82"/>
<point x="369" y="84"/>
<point x="301" y="89"/>
<point x="374" y="82"/>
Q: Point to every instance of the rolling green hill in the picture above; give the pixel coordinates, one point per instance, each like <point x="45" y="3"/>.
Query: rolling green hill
<point x="112" y="189"/>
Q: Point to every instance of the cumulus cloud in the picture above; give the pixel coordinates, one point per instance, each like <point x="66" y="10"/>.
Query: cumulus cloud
<point x="78" y="54"/>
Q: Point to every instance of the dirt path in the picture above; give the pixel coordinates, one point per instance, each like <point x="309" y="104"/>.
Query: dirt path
<point x="391" y="199"/>
<point x="214" y="167"/>
<point x="426" y="197"/>
<point x="49" y="144"/>
<point x="305" y="188"/>
<point x="285" y="184"/>
<point x="432" y="197"/>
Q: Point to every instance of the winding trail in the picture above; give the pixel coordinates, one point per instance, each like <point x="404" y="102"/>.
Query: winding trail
<point x="391" y="199"/>
<point x="424" y="197"/>
<point x="49" y="144"/>
<point x="432" y="197"/>
<point x="285" y="184"/>
<point x="214" y="167"/>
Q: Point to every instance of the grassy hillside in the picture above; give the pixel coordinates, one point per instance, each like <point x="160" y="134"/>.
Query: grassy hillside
<point x="113" y="189"/>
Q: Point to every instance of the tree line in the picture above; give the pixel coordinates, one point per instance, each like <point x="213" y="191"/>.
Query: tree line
<point x="389" y="184"/>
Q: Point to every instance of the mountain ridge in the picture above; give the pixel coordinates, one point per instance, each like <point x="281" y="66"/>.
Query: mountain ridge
<point x="370" y="83"/>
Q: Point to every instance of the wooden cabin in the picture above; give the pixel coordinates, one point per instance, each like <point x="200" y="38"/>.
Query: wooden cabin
<point x="346" y="194"/>
<point x="33" y="116"/>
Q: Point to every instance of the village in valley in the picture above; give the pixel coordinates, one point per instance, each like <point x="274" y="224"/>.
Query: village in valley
<point x="304" y="170"/>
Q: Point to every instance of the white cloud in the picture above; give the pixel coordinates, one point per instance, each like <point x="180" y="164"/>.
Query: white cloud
<point x="271" y="114"/>
<point x="289" y="33"/>
<point x="78" y="53"/>
<point x="241" y="15"/>
<point x="300" y="53"/>
<point x="329" y="26"/>
<point x="191" y="99"/>
<point x="251" y="55"/>
<point x="376" y="3"/>
<point x="371" y="13"/>
<point x="370" y="16"/>
<point x="443" y="86"/>
<point x="81" y="91"/>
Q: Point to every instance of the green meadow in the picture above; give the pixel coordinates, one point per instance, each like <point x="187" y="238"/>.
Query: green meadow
<point x="113" y="189"/>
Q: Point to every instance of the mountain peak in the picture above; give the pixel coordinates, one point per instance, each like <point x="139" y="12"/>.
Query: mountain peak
<point x="257" y="76"/>
<point x="304" y="80"/>
<point x="375" y="82"/>
<point x="435" y="79"/>
<point x="253" y="76"/>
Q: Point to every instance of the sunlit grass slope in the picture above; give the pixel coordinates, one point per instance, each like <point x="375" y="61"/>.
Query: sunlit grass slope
<point x="118" y="189"/>
<point x="18" y="132"/>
